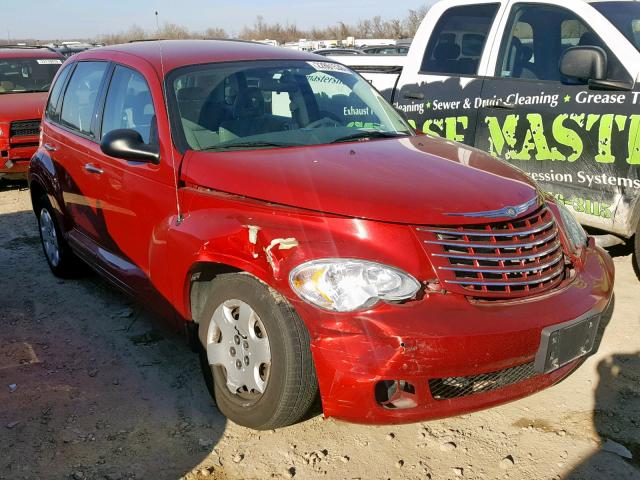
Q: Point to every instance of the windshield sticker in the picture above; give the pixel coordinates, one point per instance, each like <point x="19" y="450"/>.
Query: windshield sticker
<point x="50" y="61"/>
<point x="328" y="67"/>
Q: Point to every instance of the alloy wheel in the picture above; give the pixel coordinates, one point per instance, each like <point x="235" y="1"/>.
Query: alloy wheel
<point x="49" y="237"/>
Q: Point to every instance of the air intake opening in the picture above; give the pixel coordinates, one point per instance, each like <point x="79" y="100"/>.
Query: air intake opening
<point x="457" y="387"/>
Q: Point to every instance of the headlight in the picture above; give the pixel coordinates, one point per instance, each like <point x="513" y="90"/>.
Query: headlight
<point x="573" y="229"/>
<point x="345" y="285"/>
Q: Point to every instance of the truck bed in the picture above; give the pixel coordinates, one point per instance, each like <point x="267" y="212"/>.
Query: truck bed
<point x="382" y="71"/>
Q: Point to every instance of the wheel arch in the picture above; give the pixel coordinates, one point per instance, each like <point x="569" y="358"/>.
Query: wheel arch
<point x="203" y="271"/>
<point x="36" y="190"/>
<point x="635" y="216"/>
<point x="200" y="276"/>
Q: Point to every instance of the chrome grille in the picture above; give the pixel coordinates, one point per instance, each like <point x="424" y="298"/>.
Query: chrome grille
<point x="508" y="259"/>
<point x="25" y="128"/>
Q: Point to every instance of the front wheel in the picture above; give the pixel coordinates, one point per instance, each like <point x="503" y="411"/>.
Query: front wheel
<point x="256" y="355"/>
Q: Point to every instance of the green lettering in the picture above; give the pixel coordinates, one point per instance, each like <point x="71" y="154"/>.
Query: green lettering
<point x="567" y="136"/>
<point x="501" y="136"/>
<point x="634" y="141"/>
<point x="605" y="211"/>
<point x="536" y="134"/>
<point x="605" y="133"/>
<point x="451" y="128"/>
<point x="592" y="119"/>
<point x="427" y="127"/>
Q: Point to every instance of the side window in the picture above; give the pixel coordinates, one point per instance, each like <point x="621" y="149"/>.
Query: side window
<point x="129" y="105"/>
<point x="537" y="36"/>
<point x="53" y="105"/>
<point x="458" y="40"/>
<point x="81" y="94"/>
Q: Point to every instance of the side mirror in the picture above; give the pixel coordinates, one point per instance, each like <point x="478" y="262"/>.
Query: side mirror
<point x="584" y="63"/>
<point x="127" y="144"/>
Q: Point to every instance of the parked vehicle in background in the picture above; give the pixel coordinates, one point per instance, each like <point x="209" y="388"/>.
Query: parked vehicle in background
<point x="550" y="86"/>
<point x="25" y="76"/>
<point x="337" y="51"/>
<point x="71" y="48"/>
<point x="274" y="203"/>
<point x="386" y="50"/>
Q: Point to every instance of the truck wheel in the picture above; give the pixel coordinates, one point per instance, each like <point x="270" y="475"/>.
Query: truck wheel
<point x="256" y="355"/>
<point x="636" y="252"/>
<point x="62" y="261"/>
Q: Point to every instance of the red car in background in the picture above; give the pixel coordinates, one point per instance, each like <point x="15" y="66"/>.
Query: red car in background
<point x="274" y="203"/>
<point x="26" y="74"/>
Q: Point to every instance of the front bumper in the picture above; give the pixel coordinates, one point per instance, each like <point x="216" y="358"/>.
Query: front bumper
<point x="359" y="357"/>
<point x="15" y="158"/>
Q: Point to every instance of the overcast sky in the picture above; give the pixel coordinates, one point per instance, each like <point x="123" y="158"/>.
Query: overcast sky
<point x="59" y="19"/>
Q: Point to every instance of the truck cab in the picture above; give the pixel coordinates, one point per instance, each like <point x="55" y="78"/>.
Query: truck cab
<point x="548" y="86"/>
<point x="25" y="77"/>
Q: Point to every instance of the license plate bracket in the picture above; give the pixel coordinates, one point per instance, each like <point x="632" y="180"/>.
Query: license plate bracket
<point x="561" y="344"/>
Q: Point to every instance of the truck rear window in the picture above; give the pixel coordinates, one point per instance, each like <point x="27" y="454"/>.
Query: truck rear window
<point x="458" y="40"/>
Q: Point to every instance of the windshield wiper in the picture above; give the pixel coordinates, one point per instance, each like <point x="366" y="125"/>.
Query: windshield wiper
<point x="368" y="134"/>
<point x="254" y="144"/>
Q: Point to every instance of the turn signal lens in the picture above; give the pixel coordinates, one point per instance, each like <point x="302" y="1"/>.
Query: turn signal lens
<point x="572" y="227"/>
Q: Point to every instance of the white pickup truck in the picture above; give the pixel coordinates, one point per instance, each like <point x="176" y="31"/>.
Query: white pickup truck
<point x="549" y="86"/>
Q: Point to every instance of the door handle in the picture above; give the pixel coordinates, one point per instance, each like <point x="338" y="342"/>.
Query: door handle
<point x="504" y="106"/>
<point x="414" y="95"/>
<point x="89" y="167"/>
<point x="49" y="148"/>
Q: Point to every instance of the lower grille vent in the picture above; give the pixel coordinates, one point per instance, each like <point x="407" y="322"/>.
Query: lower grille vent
<point x="456" y="387"/>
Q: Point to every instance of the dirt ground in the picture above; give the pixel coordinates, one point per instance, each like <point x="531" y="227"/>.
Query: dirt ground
<point x="93" y="387"/>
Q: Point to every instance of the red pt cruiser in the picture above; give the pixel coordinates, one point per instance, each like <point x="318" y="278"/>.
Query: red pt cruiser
<point x="275" y="204"/>
<point x="25" y="77"/>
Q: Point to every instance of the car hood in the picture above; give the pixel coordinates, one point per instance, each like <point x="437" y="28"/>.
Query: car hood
<point x="22" y="106"/>
<point x="413" y="180"/>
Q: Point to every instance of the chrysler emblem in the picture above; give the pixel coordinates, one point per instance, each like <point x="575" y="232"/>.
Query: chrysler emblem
<point x="508" y="212"/>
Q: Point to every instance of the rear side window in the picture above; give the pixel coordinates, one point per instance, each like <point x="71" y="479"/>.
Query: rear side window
<point x="53" y="107"/>
<point x="129" y="105"/>
<point x="80" y="98"/>
<point x="458" y="40"/>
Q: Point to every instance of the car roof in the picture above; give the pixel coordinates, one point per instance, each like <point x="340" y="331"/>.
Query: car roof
<point x="27" y="52"/>
<point x="166" y="55"/>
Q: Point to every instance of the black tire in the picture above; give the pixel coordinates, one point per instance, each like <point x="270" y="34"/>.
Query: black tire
<point x="636" y="252"/>
<point x="291" y="387"/>
<point x="66" y="264"/>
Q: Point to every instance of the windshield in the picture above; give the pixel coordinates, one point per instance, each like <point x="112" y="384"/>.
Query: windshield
<point x="625" y="16"/>
<point x="19" y="75"/>
<point x="270" y="104"/>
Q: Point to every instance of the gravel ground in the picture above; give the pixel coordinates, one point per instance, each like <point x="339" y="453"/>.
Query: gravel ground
<point x="93" y="387"/>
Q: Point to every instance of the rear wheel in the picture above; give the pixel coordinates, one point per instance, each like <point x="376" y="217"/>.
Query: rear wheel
<point x="256" y="355"/>
<point x="636" y="252"/>
<point x="62" y="262"/>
